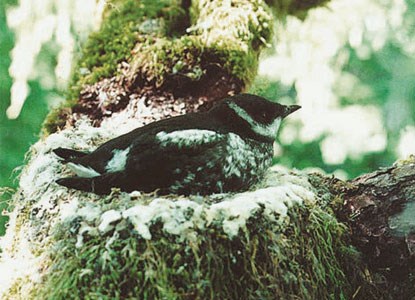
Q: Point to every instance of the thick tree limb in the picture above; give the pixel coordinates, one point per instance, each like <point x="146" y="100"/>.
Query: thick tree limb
<point x="379" y="207"/>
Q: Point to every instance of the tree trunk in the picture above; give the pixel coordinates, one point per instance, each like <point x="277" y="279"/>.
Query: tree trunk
<point x="295" y="236"/>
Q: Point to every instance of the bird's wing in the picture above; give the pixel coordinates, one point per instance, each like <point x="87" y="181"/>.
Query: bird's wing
<point x="99" y="185"/>
<point x="188" y="138"/>
<point x="172" y="156"/>
<point x="156" y="163"/>
<point x="179" y="145"/>
<point x="68" y="154"/>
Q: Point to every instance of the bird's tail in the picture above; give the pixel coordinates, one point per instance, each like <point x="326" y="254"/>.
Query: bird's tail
<point x="69" y="154"/>
<point x="98" y="185"/>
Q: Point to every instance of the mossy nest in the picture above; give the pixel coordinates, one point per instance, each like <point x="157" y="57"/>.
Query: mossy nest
<point x="279" y="240"/>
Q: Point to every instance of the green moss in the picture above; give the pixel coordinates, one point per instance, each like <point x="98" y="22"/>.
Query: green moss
<point x="235" y="51"/>
<point x="130" y="23"/>
<point x="303" y="259"/>
<point x="189" y="57"/>
<point x="298" y="8"/>
<point x="56" y="119"/>
<point x="185" y="57"/>
<point x="241" y="65"/>
<point x="119" y="33"/>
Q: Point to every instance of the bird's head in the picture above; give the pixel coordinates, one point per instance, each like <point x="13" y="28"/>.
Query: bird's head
<point x="263" y="116"/>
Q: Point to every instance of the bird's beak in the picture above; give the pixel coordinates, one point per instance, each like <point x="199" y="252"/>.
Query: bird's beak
<point x="290" y="109"/>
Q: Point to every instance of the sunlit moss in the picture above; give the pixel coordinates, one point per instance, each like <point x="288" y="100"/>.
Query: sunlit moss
<point x="189" y="57"/>
<point x="230" y="35"/>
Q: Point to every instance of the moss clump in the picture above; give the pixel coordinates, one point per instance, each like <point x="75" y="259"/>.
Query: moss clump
<point x="405" y="161"/>
<point x="56" y="118"/>
<point x="118" y="35"/>
<point x="189" y="59"/>
<point x="151" y="26"/>
<point x="228" y="37"/>
<point x="303" y="259"/>
<point x="298" y="8"/>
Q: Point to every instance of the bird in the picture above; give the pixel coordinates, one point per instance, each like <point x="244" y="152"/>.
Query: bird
<point x="225" y="149"/>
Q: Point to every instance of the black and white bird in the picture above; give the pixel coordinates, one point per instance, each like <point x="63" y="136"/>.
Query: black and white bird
<point x="226" y="149"/>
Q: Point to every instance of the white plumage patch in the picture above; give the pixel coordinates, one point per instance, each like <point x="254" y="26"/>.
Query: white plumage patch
<point x="188" y="137"/>
<point x="269" y="131"/>
<point x="240" y="156"/>
<point x="118" y="161"/>
<point x="83" y="171"/>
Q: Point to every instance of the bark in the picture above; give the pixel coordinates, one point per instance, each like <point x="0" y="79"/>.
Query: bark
<point x="379" y="208"/>
<point x="155" y="59"/>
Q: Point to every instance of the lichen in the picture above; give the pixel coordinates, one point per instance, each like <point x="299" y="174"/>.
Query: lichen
<point x="405" y="161"/>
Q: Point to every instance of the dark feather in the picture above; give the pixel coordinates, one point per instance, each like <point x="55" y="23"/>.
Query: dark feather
<point x="68" y="154"/>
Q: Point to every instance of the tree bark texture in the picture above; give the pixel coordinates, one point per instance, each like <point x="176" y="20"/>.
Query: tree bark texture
<point x="379" y="208"/>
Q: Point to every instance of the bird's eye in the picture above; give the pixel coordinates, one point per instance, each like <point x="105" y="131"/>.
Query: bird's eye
<point x="264" y="115"/>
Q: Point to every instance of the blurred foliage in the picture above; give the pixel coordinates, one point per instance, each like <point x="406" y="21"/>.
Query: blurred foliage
<point x="302" y="155"/>
<point x="15" y="135"/>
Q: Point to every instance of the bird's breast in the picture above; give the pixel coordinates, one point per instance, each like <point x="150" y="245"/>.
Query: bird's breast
<point x="232" y="165"/>
<point x="245" y="157"/>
